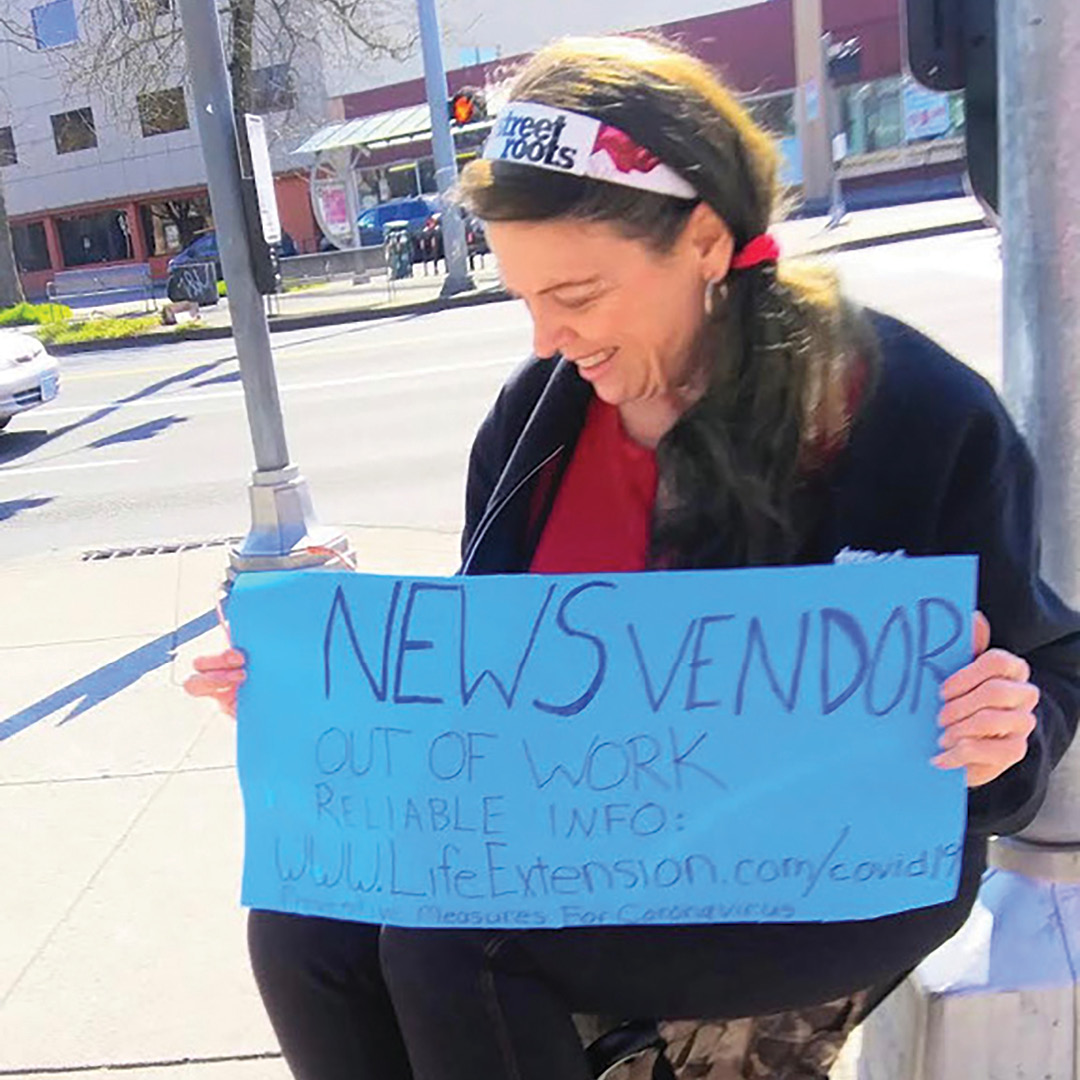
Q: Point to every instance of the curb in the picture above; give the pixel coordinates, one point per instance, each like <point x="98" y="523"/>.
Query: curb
<point x="927" y="233"/>
<point x="487" y="296"/>
<point x="282" y="324"/>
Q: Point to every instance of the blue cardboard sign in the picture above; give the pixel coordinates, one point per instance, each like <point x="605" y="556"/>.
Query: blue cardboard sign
<point x="548" y="751"/>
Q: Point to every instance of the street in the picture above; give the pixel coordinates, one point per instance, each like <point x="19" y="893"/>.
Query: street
<point x="150" y="445"/>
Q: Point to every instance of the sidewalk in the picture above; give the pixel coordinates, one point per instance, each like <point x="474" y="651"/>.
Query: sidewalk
<point x="341" y="301"/>
<point x="122" y="943"/>
<point x="121" y="936"/>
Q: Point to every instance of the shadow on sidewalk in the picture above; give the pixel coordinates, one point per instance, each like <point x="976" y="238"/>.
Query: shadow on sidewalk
<point x="110" y="679"/>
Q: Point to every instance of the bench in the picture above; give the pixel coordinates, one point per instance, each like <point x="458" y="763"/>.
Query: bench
<point x="327" y="265"/>
<point x="103" y="281"/>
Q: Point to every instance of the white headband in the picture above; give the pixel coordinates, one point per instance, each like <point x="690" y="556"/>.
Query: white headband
<point x="567" y="142"/>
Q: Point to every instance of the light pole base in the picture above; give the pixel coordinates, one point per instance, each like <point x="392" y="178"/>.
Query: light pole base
<point x="454" y="285"/>
<point x="284" y="528"/>
<point x="998" y="999"/>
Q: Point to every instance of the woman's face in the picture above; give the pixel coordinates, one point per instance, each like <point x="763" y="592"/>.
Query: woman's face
<point x="629" y="318"/>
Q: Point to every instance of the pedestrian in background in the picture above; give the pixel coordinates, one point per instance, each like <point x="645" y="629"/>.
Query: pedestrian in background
<point x="694" y="402"/>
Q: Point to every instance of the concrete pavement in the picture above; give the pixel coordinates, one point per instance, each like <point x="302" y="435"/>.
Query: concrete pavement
<point x="121" y="937"/>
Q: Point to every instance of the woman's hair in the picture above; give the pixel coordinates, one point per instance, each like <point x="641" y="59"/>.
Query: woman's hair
<point x="787" y="356"/>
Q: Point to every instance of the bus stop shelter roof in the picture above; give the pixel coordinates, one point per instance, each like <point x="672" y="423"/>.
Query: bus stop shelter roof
<point x="398" y="126"/>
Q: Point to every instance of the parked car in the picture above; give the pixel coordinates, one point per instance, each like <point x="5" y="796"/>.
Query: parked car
<point x="431" y="238"/>
<point x="415" y="210"/>
<point x="29" y="376"/>
<point x="204" y="248"/>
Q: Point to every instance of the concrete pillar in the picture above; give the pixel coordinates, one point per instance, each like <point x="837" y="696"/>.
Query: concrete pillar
<point x="139" y="251"/>
<point x="52" y="242"/>
<point x="812" y="102"/>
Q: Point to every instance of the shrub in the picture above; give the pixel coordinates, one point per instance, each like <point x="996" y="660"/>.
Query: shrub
<point x="25" y="314"/>
<point x="99" y="329"/>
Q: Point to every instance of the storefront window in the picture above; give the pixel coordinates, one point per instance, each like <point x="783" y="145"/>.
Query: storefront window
<point x="95" y="238"/>
<point x="775" y="113"/>
<point x="404" y="180"/>
<point x="895" y="112"/>
<point x="31" y="247"/>
<point x="170" y="226"/>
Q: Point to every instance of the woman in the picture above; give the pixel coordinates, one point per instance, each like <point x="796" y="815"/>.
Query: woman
<point x="700" y="406"/>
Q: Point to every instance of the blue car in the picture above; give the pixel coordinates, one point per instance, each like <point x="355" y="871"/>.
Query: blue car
<point x="204" y="248"/>
<point x="416" y="211"/>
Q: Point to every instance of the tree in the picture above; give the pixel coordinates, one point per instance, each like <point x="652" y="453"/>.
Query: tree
<point x="130" y="57"/>
<point x="131" y="48"/>
<point x="11" y="292"/>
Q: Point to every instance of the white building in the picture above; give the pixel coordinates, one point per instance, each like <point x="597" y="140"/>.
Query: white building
<point x="110" y="169"/>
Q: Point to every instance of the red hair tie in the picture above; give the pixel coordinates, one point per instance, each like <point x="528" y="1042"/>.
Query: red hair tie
<point x="762" y="249"/>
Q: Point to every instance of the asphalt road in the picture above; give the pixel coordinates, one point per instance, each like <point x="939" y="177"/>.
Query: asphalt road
<point x="151" y="445"/>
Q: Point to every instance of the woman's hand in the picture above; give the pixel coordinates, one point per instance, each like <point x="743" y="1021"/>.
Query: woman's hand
<point x="989" y="712"/>
<point x="219" y="677"/>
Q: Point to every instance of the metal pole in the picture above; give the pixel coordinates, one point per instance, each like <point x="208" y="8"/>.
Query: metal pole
<point x="283" y="524"/>
<point x="837" y="209"/>
<point x="1000" y="998"/>
<point x="442" y="144"/>
<point x="1039" y="96"/>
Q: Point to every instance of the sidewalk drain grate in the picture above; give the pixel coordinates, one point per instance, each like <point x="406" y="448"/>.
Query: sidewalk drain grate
<point x="101" y="554"/>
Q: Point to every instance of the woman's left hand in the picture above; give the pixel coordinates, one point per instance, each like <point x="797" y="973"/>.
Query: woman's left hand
<point x="989" y="712"/>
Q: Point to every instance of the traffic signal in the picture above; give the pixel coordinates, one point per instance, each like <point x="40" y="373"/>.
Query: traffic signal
<point x="952" y="45"/>
<point x="467" y="107"/>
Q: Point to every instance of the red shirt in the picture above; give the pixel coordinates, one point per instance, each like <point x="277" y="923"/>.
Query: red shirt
<point x="601" y="519"/>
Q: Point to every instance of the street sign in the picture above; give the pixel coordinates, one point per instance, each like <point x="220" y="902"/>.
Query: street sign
<point x="264" y="178"/>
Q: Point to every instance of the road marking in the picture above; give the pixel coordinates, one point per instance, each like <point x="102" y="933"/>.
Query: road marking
<point x="355" y="346"/>
<point x="30" y="470"/>
<point x="168" y="401"/>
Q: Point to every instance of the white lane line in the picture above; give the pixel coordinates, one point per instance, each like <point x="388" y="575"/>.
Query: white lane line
<point x="167" y="401"/>
<point x="31" y="470"/>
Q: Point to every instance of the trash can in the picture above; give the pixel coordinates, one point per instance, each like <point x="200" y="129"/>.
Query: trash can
<point x="398" y="246"/>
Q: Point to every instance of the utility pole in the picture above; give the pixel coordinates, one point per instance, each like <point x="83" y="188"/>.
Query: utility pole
<point x="442" y="143"/>
<point x="283" y="523"/>
<point x="1001" y="998"/>
<point x="812" y="107"/>
<point x="837" y="135"/>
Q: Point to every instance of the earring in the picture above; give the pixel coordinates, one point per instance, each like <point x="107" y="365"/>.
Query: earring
<point x="716" y="298"/>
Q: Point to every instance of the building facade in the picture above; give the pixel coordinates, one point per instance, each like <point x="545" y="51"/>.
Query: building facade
<point x="94" y="175"/>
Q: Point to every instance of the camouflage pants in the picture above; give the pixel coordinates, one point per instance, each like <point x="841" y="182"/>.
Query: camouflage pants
<point x="800" y="1045"/>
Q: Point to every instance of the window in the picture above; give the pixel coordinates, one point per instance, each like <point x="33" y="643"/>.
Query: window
<point x="133" y="11"/>
<point x="31" y="247"/>
<point x="890" y="113"/>
<point x="7" y="148"/>
<point x="95" y="238"/>
<point x="273" y="89"/>
<point x="170" y="226"/>
<point x="163" y="111"/>
<point x="74" y="131"/>
<point x="775" y="113"/>
<point x="54" y="24"/>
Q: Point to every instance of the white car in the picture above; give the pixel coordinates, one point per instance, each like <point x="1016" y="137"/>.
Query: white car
<point x="29" y="376"/>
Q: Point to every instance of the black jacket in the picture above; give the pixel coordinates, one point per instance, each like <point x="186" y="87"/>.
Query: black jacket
<point x="934" y="466"/>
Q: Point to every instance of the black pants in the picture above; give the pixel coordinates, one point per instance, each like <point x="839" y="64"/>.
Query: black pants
<point x="346" y="999"/>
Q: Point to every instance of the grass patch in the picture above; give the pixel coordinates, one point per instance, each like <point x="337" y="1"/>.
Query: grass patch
<point x="25" y="314"/>
<point x="73" y="331"/>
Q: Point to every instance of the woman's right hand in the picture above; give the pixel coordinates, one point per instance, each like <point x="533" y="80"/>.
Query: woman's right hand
<point x="219" y="676"/>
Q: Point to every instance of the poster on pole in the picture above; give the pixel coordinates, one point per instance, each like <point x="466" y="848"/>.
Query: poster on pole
<point x="264" y="178"/>
<point x="548" y="751"/>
